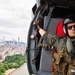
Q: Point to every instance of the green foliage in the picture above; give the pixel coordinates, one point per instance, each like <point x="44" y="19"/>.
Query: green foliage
<point x="6" y="67"/>
<point x="1" y="73"/>
<point x="10" y="65"/>
<point x="2" y="69"/>
<point x="15" y="59"/>
<point x="16" y="65"/>
<point x="10" y="62"/>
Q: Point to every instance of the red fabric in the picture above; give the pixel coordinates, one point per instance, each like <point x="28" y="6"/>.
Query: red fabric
<point x="59" y="32"/>
<point x="55" y="51"/>
<point x="52" y="67"/>
<point x="59" y="29"/>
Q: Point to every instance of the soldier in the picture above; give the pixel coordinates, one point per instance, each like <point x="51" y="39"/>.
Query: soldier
<point x="63" y="60"/>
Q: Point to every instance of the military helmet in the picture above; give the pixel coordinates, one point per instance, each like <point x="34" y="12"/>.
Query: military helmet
<point x="67" y="20"/>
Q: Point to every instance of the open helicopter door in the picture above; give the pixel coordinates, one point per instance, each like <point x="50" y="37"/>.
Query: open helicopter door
<point x="38" y="59"/>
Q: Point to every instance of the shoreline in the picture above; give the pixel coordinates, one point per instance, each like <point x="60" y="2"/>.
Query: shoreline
<point x="8" y="72"/>
<point x="14" y="70"/>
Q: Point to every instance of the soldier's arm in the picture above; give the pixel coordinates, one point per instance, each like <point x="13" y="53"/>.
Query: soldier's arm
<point x="47" y="36"/>
<point x="41" y="32"/>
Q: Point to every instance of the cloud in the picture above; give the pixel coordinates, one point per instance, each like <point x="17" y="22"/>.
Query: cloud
<point x="15" y="18"/>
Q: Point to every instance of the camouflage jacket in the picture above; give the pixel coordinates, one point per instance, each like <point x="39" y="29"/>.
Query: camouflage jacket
<point x="58" y="41"/>
<point x="63" y="63"/>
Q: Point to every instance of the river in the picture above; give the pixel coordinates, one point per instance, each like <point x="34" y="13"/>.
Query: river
<point x="21" y="71"/>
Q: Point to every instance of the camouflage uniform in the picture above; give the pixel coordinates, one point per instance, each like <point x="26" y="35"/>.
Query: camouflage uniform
<point x="54" y="40"/>
<point x="63" y="62"/>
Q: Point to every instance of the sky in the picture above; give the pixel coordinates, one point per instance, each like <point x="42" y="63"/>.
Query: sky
<point x="15" y="19"/>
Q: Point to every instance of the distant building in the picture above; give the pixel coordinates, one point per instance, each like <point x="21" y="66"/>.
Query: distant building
<point x="9" y="48"/>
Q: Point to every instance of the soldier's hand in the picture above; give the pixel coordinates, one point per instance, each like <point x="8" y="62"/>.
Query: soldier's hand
<point x="35" y="23"/>
<point x="36" y="26"/>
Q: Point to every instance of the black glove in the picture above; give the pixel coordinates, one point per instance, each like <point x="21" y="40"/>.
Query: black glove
<point x="36" y="26"/>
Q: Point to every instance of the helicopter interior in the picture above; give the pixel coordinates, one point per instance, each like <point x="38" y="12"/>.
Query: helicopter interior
<point x="39" y="60"/>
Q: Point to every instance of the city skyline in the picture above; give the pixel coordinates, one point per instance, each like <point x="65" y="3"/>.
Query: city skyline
<point x="18" y="39"/>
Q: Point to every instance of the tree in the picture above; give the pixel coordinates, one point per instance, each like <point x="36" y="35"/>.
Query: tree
<point x="10" y="65"/>
<point x="1" y="73"/>
<point x="6" y="67"/>
<point x="2" y="70"/>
